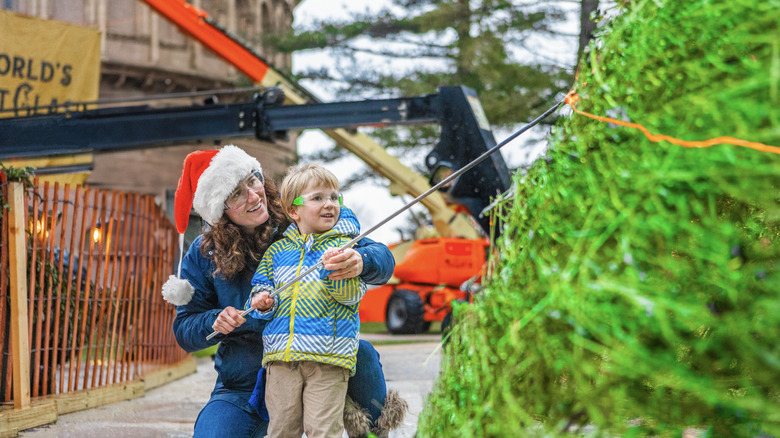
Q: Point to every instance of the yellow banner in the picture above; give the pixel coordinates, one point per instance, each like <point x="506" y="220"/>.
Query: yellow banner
<point x="45" y="63"/>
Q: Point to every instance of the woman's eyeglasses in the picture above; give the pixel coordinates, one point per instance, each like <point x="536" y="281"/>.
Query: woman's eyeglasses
<point x="319" y="199"/>
<point x="240" y="195"/>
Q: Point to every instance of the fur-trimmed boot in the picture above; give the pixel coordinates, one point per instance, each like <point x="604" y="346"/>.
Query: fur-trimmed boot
<point x="392" y="414"/>
<point x="358" y="424"/>
<point x="356" y="420"/>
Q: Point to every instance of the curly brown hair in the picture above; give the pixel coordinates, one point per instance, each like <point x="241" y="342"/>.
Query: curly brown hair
<point x="232" y="249"/>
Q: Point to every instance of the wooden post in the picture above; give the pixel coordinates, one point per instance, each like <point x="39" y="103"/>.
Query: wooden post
<point x="18" y="283"/>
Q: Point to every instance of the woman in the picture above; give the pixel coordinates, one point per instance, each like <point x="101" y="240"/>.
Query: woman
<point x="227" y="189"/>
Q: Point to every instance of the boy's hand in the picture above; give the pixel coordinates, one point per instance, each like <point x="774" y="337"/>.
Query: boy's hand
<point x="262" y="301"/>
<point x="344" y="264"/>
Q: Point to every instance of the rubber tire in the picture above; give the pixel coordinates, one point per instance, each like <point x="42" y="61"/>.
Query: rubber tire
<point x="405" y="313"/>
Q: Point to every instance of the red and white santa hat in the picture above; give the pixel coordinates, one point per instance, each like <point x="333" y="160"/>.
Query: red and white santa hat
<point x="208" y="178"/>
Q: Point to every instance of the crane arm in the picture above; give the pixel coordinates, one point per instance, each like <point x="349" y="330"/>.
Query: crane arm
<point x="463" y="138"/>
<point x="195" y="23"/>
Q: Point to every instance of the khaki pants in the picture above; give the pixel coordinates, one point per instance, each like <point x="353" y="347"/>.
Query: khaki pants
<point x="305" y="396"/>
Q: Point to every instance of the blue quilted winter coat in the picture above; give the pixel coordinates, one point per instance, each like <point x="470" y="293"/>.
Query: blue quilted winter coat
<point x="317" y="318"/>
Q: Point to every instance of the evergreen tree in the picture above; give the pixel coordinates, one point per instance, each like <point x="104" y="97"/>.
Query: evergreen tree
<point x="451" y="42"/>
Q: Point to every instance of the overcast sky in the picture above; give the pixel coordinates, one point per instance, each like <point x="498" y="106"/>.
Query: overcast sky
<point x="371" y="202"/>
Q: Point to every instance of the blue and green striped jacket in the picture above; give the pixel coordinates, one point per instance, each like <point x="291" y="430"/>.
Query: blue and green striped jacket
<point x="316" y="319"/>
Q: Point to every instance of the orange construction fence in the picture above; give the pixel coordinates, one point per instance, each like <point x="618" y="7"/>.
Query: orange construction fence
<point x="80" y="302"/>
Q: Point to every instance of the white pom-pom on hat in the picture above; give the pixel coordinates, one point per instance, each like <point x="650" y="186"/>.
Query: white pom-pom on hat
<point x="177" y="291"/>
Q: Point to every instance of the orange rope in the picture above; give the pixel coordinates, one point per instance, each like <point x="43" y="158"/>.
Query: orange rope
<point x="572" y="98"/>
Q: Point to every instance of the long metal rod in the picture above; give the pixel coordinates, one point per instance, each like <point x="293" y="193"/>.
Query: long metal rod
<point x="416" y="200"/>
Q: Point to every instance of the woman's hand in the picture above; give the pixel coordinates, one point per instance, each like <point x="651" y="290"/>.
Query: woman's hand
<point x="345" y="263"/>
<point x="228" y="320"/>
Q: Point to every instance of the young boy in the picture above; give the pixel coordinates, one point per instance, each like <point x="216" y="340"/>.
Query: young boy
<point x="311" y="340"/>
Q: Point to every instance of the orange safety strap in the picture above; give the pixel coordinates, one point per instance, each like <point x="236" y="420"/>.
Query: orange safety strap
<point x="572" y="98"/>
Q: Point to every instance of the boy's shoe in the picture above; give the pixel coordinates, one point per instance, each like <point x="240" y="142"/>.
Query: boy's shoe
<point x="358" y="424"/>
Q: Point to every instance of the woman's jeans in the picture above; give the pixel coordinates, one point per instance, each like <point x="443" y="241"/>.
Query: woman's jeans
<point x="367" y="388"/>
<point x="220" y="418"/>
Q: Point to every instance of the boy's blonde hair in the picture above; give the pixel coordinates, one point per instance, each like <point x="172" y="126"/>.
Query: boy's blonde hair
<point x="298" y="178"/>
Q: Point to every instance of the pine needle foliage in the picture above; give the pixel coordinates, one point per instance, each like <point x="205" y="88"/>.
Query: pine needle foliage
<point x="637" y="288"/>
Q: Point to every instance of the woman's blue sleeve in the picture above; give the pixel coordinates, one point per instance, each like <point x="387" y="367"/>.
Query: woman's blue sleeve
<point x="378" y="261"/>
<point x="194" y="320"/>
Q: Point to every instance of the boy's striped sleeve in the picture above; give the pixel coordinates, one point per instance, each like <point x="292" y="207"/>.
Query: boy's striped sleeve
<point x="263" y="280"/>
<point x="348" y="291"/>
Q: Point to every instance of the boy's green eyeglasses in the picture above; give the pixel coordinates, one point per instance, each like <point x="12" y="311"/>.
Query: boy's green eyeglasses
<point x="319" y="199"/>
